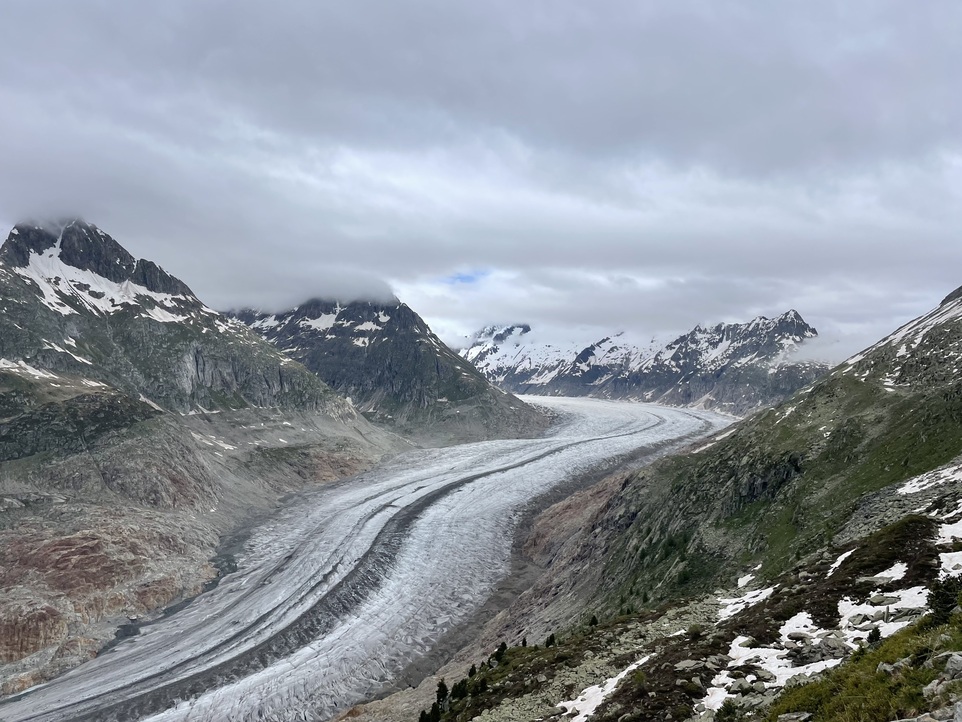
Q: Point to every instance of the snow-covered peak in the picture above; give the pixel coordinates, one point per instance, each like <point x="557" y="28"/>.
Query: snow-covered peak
<point x="319" y="318"/>
<point x="77" y="268"/>
<point x="762" y="338"/>
<point x="685" y="369"/>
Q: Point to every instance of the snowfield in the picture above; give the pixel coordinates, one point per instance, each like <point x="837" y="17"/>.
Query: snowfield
<point x="340" y="591"/>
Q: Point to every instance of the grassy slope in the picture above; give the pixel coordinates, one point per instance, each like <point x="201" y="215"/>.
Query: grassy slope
<point x="777" y="488"/>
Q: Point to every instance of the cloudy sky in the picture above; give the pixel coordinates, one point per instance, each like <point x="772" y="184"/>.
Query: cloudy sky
<point x="582" y="166"/>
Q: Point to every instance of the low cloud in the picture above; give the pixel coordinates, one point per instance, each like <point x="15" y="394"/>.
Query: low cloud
<point x="614" y="165"/>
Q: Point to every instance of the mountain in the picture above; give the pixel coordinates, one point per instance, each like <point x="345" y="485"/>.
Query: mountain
<point x="816" y="539"/>
<point x="75" y="301"/>
<point x="138" y="427"/>
<point x="383" y="356"/>
<point x="730" y="367"/>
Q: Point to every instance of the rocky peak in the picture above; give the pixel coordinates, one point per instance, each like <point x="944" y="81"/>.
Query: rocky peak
<point x="792" y="324"/>
<point x="725" y="342"/>
<point x="85" y="247"/>
<point x="954" y="296"/>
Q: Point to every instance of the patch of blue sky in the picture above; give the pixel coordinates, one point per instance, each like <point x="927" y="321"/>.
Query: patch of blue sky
<point x="466" y="277"/>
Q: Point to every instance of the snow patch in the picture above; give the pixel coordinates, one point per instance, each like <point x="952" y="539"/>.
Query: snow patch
<point x="738" y="604"/>
<point x="951" y="564"/>
<point x="932" y="479"/>
<point x="894" y="573"/>
<point x="838" y="562"/>
<point x="948" y="533"/>
<point x="590" y="698"/>
<point x="321" y="323"/>
<point x="368" y="326"/>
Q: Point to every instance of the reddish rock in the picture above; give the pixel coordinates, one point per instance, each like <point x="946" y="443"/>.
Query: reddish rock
<point x="27" y="630"/>
<point x="157" y="593"/>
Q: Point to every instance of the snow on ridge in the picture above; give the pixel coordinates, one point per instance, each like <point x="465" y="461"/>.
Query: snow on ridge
<point x="514" y="351"/>
<point x="22" y="367"/>
<point x="266" y="323"/>
<point x="56" y="279"/>
<point x="54" y="347"/>
<point x="909" y="336"/>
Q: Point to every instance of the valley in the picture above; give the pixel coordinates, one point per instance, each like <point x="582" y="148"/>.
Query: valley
<point x="351" y="582"/>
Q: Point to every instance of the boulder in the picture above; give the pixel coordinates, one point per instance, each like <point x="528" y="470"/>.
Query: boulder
<point x="953" y="667"/>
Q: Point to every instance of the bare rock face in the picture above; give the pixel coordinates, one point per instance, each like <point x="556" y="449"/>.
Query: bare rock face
<point x="28" y="628"/>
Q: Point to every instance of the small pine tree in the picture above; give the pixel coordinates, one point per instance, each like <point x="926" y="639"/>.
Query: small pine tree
<point x="874" y="636"/>
<point x="473" y="671"/>
<point x="499" y="654"/>
<point x="593" y="622"/>
<point x="424" y="716"/>
<point x="524" y="641"/>
<point x="442" y="691"/>
<point x="728" y="712"/>
<point x="943" y="598"/>
<point x="483" y="686"/>
<point x="549" y="642"/>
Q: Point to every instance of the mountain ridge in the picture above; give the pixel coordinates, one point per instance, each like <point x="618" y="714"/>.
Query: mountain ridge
<point x="731" y="367"/>
<point x="385" y="358"/>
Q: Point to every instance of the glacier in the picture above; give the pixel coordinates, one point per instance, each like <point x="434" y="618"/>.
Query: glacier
<point x="349" y="583"/>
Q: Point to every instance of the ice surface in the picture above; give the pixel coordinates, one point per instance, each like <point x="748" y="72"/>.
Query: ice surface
<point x="342" y="590"/>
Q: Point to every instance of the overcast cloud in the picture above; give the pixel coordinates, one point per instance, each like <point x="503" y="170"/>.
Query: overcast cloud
<point x="581" y="166"/>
